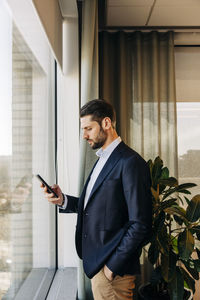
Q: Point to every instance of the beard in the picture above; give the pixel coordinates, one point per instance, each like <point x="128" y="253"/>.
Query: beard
<point x="99" y="140"/>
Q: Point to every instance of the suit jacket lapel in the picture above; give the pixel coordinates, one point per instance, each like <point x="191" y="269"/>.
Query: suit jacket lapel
<point x="112" y="160"/>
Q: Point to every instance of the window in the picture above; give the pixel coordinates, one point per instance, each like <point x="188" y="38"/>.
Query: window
<point x="188" y="127"/>
<point x="27" y="221"/>
<point x="187" y="60"/>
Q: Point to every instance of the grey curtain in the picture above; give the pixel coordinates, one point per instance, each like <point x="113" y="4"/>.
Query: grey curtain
<point x="137" y="76"/>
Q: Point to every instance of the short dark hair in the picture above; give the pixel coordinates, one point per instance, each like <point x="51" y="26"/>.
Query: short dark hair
<point x="98" y="109"/>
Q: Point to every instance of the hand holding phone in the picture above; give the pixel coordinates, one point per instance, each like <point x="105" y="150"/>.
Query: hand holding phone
<point x="49" y="189"/>
<point x="52" y="196"/>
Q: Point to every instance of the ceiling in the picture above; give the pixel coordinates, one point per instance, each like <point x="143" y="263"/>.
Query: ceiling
<point x="167" y="13"/>
<point x="141" y="13"/>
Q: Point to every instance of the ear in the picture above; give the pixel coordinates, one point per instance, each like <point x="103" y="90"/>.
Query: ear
<point x="106" y="123"/>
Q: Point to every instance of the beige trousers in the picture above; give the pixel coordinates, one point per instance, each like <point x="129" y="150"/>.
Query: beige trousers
<point x="120" y="288"/>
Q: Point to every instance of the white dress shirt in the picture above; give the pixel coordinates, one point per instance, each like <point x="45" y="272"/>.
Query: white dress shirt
<point x="103" y="155"/>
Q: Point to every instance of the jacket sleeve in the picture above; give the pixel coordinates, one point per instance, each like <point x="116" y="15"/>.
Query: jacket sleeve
<point x="136" y="185"/>
<point x="72" y="205"/>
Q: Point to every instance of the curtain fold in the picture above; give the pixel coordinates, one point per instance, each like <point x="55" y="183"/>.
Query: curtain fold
<point x="115" y="76"/>
<point x="137" y="76"/>
<point x="89" y="91"/>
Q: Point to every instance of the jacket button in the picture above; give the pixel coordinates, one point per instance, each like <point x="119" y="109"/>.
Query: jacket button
<point x="85" y="235"/>
<point x="86" y="214"/>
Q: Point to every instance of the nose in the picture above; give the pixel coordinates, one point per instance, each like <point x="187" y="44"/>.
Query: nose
<point x="85" y="135"/>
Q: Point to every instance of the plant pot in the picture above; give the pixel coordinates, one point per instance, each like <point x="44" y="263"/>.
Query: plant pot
<point x="148" y="292"/>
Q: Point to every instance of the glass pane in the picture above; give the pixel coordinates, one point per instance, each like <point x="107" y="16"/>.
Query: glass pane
<point x="188" y="124"/>
<point x="27" y="221"/>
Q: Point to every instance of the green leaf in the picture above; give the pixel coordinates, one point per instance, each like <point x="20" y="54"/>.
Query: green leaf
<point x="180" y="199"/>
<point x="156" y="170"/>
<point x="174" y="242"/>
<point x="196" y="229"/>
<point x="197" y="264"/>
<point x="153" y="252"/>
<point x="163" y="240"/>
<point x="185" y="192"/>
<point x="159" y="221"/>
<point x="149" y="163"/>
<point x="178" y="220"/>
<point x="176" y="286"/>
<point x="168" y="192"/>
<point x="164" y="173"/>
<point x="168" y="265"/>
<point x="171" y="181"/>
<point x="198" y="235"/>
<point x="182" y="188"/>
<point x="198" y="252"/>
<point x="188" y="279"/>
<point x="178" y="211"/>
<point x="186" y="186"/>
<point x="186" y="285"/>
<point x="185" y="244"/>
<point x="187" y="200"/>
<point x="168" y="203"/>
<point x="193" y="209"/>
<point x="193" y="272"/>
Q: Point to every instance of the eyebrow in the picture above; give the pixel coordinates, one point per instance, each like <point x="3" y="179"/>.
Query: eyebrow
<point x="85" y="127"/>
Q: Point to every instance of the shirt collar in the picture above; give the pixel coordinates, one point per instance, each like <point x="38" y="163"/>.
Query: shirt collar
<point x="109" y="149"/>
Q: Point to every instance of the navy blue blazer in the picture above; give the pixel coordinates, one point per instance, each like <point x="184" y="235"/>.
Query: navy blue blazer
<point x="117" y="219"/>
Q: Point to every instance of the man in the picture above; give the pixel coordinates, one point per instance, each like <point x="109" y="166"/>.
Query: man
<point x="114" y="209"/>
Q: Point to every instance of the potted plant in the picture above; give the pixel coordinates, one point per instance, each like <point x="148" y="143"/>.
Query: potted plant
<point x="173" y="248"/>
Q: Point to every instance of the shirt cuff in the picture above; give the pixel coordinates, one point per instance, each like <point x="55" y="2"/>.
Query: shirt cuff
<point x="65" y="202"/>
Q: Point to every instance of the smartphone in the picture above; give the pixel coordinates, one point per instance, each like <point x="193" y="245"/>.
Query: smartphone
<point x="49" y="189"/>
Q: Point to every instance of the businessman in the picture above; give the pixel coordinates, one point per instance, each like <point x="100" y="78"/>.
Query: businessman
<point x="114" y="209"/>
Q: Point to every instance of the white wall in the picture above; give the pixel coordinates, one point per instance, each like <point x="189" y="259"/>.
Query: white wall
<point x="68" y="138"/>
